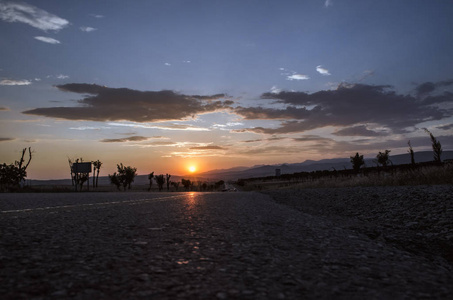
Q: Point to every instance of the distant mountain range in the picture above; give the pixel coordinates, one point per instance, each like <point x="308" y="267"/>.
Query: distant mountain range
<point x="267" y="170"/>
<point x="311" y="165"/>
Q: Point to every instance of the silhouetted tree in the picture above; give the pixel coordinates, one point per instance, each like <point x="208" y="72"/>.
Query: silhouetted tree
<point x="167" y="177"/>
<point x="383" y="158"/>
<point x="150" y="177"/>
<point x="97" y="167"/>
<point x="357" y="161"/>
<point x="78" y="179"/>
<point x="160" y="180"/>
<point x="437" y="147"/>
<point x="186" y="183"/>
<point x="125" y="176"/>
<point x="13" y="175"/>
<point x="219" y="184"/>
<point x="175" y="184"/>
<point x="411" y="151"/>
<point x="115" y="180"/>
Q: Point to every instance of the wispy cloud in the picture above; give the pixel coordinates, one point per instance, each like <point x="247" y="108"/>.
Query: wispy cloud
<point x="212" y="147"/>
<point x="171" y="127"/>
<point x="87" y="29"/>
<point x="122" y="104"/>
<point x="275" y="90"/>
<point x="14" y="82"/>
<point x="167" y="64"/>
<point x="97" y="16"/>
<point x="297" y="77"/>
<point x="445" y="127"/>
<point x="359" y="130"/>
<point x="135" y="138"/>
<point x="31" y="15"/>
<point x="4" y="108"/>
<point x="322" y="71"/>
<point x="328" y="3"/>
<point x="61" y="76"/>
<point x="46" y="39"/>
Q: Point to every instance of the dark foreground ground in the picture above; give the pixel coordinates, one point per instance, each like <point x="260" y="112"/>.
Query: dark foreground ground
<point x="219" y="246"/>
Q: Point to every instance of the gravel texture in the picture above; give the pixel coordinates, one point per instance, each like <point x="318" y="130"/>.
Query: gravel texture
<point x="211" y="246"/>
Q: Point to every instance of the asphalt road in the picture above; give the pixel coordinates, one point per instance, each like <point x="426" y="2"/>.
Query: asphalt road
<point x="195" y="246"/>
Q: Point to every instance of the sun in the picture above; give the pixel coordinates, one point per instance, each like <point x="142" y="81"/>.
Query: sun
<point x="192" y="169"/>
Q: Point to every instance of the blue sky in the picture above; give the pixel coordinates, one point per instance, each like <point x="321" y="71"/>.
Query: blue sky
<point x="248" y="82"/>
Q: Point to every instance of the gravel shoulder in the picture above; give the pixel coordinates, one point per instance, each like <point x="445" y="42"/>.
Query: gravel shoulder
<point x="418" y="219"/>
<point x="203" y="246"/>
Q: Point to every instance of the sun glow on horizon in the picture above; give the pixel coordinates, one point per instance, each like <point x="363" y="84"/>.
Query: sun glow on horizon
<point x="192" y="169"/>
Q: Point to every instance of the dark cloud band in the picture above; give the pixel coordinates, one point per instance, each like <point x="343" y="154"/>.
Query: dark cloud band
<point x="118" y="104"/>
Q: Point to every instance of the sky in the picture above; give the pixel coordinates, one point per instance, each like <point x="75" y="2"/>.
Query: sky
<point x="165" y="85"/>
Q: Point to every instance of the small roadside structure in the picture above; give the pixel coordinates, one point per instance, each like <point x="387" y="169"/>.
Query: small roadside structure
<point x="81" y="173"/>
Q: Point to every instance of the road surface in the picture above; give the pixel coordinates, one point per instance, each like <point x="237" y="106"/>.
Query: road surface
<point x="196" y="245"/>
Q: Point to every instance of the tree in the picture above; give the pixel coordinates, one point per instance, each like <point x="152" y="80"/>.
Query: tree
<point x="13" y="175"/>
<point x="411" y="151"/>
<point x="175" y="184"/>
<point x="125" y="176"/>
<point x="150" y="177"/>
<point x="160" y="180"/>
<point x="167" y="176"/>
<point x="357" y="161"/>
<point x="383" y="158"/>
<point x="115" y="180"/>
<point x="186" y="183"/>
<point x="437" y="147"/>
<point x="97" y="167"/>
<point x="78" y="178"/>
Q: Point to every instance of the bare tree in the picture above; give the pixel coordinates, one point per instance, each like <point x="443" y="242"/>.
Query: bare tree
<point x="437" y="147"/>
<point x="411" y="151"/>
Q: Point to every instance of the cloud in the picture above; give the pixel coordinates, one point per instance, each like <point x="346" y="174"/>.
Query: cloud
<point x="275" y="90"/>
<point x="427" y="88"/>
<point x="122" y="104"/>
<point x="97" y="16"/>
<point x="4" y="139"/>
<point x="359" y="130"/>
<point x="47" y="40"/>
<point x="350" y="105"/>
<point x="297" y="77"/>
<point x="322" y="71"/>
<point x="15" y="82"/>
<point x="61" y="76"/>
<point x="445" y="127"/>
<point x="167" y="64"/>
<point x="31" y="15"/>
<point x="87" y="29"/>
<point x="208" y="148"/>
<point x="135" y="138"/>
<point x="4" y="108"/>
<point x="177" y="127"/>
<point x="328" y="3"/>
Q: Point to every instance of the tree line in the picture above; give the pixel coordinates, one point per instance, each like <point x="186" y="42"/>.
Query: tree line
<point x="383" y="158"/>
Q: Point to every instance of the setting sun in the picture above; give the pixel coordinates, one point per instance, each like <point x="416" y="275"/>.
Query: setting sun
<point x="192" y="169"/>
